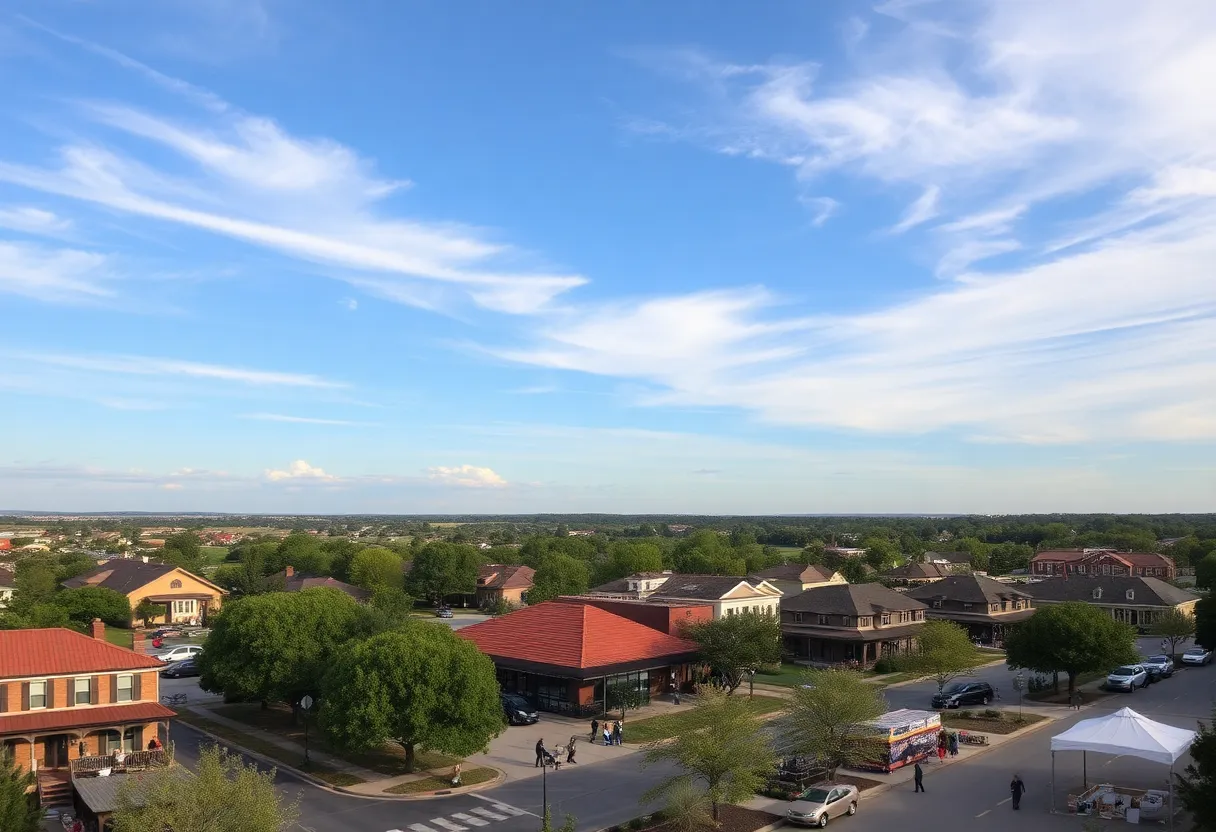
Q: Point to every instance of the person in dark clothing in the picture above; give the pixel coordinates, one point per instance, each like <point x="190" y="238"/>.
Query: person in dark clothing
<point x="918" y="775"/>
<point x="595" y="730"/>
<point x="570" y="750"/>
<point x="1016" y="789"/>
<point x="540" y="754"/>
<point x="616" y="733"/>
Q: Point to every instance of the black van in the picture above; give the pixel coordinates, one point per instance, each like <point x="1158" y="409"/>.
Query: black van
<point x="517" y="709"/>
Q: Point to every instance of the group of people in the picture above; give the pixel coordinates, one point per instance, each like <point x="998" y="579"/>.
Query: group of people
<point x="545" y="757"/>
<point x="947" y="743"/>
<point x="611" y="732"/>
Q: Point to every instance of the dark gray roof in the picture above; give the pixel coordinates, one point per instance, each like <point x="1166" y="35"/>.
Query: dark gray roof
<point x="952" y="557"/>
<point x="125" y="575"/>
<point x="850" y="599"/>
<point x="794" y="572"/>
<point x="619" y="585"/>
<point x="973" y="589"/>
<point x="299" y="583"/>
<point x="708" y="587"/>
<point x="919" y="571"/>
<point x="101" y="793"/>
<point x="1148" y="591"/>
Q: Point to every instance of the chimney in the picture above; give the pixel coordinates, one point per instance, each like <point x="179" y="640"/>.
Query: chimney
<point x="137" y="642"/>
<point x="290" y="571"/>
<point x="97" y="630"/>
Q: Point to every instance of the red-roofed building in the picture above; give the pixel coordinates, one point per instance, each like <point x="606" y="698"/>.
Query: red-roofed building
<point x="1094" y="562"/>
<point x="565" y="655"/>
<point x="62" y="692"/>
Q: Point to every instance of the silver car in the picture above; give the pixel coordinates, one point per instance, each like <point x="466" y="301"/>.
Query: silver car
<point x="816" y="805"/>
<point x="1197" y="656"/>
<point x="1128" y="678"/>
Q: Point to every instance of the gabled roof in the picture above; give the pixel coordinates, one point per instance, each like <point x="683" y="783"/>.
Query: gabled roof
<point x="126" y="576"/>
<point x="572" y="635"/>
<point x="796" y="572"/>
<point x="298" y="583"/>
<point x="701" y="587"/>
<point x="920" y="571"/>
<point x="971" y="589"/>
<point x="1147" y="591"/>
<point x="500" y="576"/>
<point x="57" y="651"/>
<point x="1065" y="555"/>
<point x="851" y="599"/>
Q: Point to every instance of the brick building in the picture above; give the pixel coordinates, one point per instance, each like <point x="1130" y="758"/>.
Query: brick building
<point x="1093" y="562"/>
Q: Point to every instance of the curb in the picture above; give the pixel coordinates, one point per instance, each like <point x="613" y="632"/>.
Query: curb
<point x="344" y="791"/>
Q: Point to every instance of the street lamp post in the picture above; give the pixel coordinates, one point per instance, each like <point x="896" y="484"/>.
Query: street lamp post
<point x="1019" y="682"/>
<point x="306" y="706"/>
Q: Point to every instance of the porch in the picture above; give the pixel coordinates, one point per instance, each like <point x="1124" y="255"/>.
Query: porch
<point x="825" y="646"/>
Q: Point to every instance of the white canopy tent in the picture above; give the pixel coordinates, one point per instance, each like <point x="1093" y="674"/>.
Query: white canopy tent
<point x="1124" y="733"/>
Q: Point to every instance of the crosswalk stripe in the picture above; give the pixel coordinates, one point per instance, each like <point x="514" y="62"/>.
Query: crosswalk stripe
<point x="420" y="827"/>
<point x="447" y="824"/>
<point x="510" y="810"/>
<point x="463" y="818"/>
<point x="486" y="813"/>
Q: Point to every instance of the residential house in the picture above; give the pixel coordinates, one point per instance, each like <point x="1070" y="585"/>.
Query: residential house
<point x="500" y="583"/>
<point x="185" y="597"/>
<point x="793" y="578"/>
<point x="840" y="623"/>
<point x="984" y="607"/>
<point x="1103" y="562"/>
<point x="63" y="692"/>
<point x="669" y="617"/>
<point x="845" y="551"/>
<point x="7" y="584"/>
<point x="568" y="656"/>
<point x="914" y="574"/>
<point x="638" y="585"/>
<point x="291" y="581"/>
<point x="5" y="544"/>
<point x="958" y="561"/>
<point x="728" y="595"/>
<point x="1132" y="600"/>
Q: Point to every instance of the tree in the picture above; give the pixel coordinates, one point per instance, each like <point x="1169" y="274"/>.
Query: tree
<point x="944" y="652"/>
<point x="558" y="574"/>
<point x="1205" y="622"/>
<point x="737" y="645"/>
<point x="1071" y="638"/>
<point x="420" y="686"/>
<point x="720" y="746"/>
<point x="85" y="603"/>
<point x="442" y="569"/>
<point x="75" y="564"/>
<point x="18" y="813"/>
<point x="183" y="549"/>
<point x="1205" y="572"/>
<point x="146" y="610"/>
<point x="37" y="617"/>
<point x="376" y="567"/>
<point x="1197" y="785"/>
<point x="224" y="796"/>
<point x="1175" y="626"/>
<point x="624" y="698"/>
<point x="34" y="581"/>
<point x="827" y="717"/>
<point x="392" y="605"/>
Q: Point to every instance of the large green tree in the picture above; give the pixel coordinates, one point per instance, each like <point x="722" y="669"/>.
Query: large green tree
<point x="736" y="645"/>
<point x="1205" y="622"/>
<point x="18" y="812"/>
<point x="420" y="686"/>
<point x="183" y="549"/>
<point x="1197" y="785"/>
<point x="720" y="748"/>
<point x="277" y="647"/>
<point x="1205" y="573"/>
<point x="442" y="569"/>
<point x="1175" y="626"/>
<point x="944" y="652"/>
<point x="558" y="574"/>
<point x="376" y="567"/>
<point x="224" y="795"/>
<point x="1071" y="638"/>
<point x="85" y="603"/>
<point x="827" y="719"/>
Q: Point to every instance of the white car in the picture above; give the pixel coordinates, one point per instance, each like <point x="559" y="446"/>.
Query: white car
<point x="1197" y="655"/>
<point x="180" y="653"/>
<point x="1128" y="678"/>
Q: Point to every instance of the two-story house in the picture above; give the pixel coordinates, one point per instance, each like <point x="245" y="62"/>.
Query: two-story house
<point x="849" y="623"/>
<point x="1134" y="601"/>
<point x="65" y="695"/>
<point x="728" y="595"/>
<point x="986" y="608"/>
<point x="635" y="586"/>
<point x="793" y="578"/>
<point x="1092" y="562"/>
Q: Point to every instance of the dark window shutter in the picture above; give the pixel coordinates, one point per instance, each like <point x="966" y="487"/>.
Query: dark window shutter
<point x="139" y="738"/>
<point x="136" y="686"/>
<point x="3" y="698"/>
<point x="94" y="691"/>
<point x="71" y="683"/>
<point x="25" y="696"/>
<point x="114" y="688"/>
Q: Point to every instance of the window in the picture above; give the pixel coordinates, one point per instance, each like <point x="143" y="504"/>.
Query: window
<point x="967" y="607"/>
<point x="886" y="618"/>
<point x="175" y="584"/>
<point x="125" y="688"/>
<point x="1097" y="594"/>
<point x="81" y="691"/>
<point x="823" y="619"/>
<point x="108" y="742"/>
<point x="37" y="695"/>
<point x="133" y="740"/>
<point x="797" y="618"/>
<point x="1131" y="595"/>
<point x="937" y="605"/>
<point x="183" y="607"/>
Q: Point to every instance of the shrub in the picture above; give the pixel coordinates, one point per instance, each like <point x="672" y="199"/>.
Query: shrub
<point x="884" y="665"/>
<point x="637" y="823"/>
<point x="769" y="669"/>
<point x="992" y="713"/>
<point x="966" y="714"/>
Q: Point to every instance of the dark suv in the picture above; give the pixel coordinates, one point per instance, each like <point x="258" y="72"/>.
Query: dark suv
<point x="964" y="693"/>
<point x="518" y="710"/>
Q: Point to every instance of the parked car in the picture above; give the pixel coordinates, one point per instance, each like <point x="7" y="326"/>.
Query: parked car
<point x="180" y="653"/>
<point x="1197" y="655"/>
<point x="818" y="804"/>
<point x="180" y="670"/>
<point x="443" y="612"/>
<point x="518" y="710"/>
<point x="964" y="693"/>
<point x="1128" y="678"/>
<point x="1158" y="667"/>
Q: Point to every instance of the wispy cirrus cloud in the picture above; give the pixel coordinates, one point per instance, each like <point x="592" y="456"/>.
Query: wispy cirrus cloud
<point x="304" y="420"/>
<point x="30" y="220"/>
<point x="55" y="275"/>
<point x="138" y="365"/>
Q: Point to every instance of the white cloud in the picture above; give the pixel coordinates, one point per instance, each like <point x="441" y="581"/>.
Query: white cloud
<point x="920" y="211"/>
<point x="466" y="476"/>
<point x="351" y="304"/>
<point x="303" y="420"/>
<point x="54" y="275"/>
<point x="31" y="220"/>
<point x="299" y="471"/>
<point x="822" y="208"/>
<point x="148" y="366"/>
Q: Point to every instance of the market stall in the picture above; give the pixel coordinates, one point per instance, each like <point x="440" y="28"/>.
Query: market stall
<point x="1123" y="733"/>
<point x="907" y="737"/>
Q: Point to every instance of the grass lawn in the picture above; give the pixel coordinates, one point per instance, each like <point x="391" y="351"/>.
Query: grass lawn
<point x="121" y="637"/>
<point x="665" y="727"/>
<point x="431" y="783"/>
<point x="213" y="555"/>
<point x="790" y="675"/>
<point x="983" y="725"/>
<point x="238" y="738"/>
<point x="389" y="760"/>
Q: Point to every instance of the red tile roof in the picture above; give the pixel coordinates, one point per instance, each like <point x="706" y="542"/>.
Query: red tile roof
<point x="21" y="723"/>
<point x="498" y="576"/>
<point x="572" y="635"/>
<point x="57" y="651"/>
<point x="1149" y="559"/>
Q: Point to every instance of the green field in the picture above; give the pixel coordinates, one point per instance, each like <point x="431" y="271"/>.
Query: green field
<point x="665" y="727"/>
<point x="214" y="555"/>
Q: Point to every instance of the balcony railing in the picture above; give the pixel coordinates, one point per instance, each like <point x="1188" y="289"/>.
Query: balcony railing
<point x="109" y="763"/>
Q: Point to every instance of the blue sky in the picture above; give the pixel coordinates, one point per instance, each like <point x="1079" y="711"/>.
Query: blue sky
<point x="298" y="256"/>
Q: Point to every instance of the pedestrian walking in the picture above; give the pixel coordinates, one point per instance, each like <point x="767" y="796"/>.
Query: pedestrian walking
<point x="570" y="749"/>
<point x="954" y="745"/>
<point x="607" y="734"/>
<point x="1016" y="789"/>
<point x="1075" y="700"/>
<point x="942" y="741"/>
<point x="918" y="776"/>
<point x="540" y="753"/>
<point x="616" y="733"/>
<point x="456" y="775"/>
<point x="595" y="730"/>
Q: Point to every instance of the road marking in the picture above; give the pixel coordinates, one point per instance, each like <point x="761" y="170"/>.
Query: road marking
<point x="420" y="827"/>
<point x="1003" y="802"/>
<point x="981" y="814"/>
<point x="486" y="813"/>
<point x="463" y="818"/>
<point x="504" y="807"/>
<point x="447" y="824"/>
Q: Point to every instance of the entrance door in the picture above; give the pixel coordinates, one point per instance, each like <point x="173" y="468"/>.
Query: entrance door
<point x="55" y="750"/>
